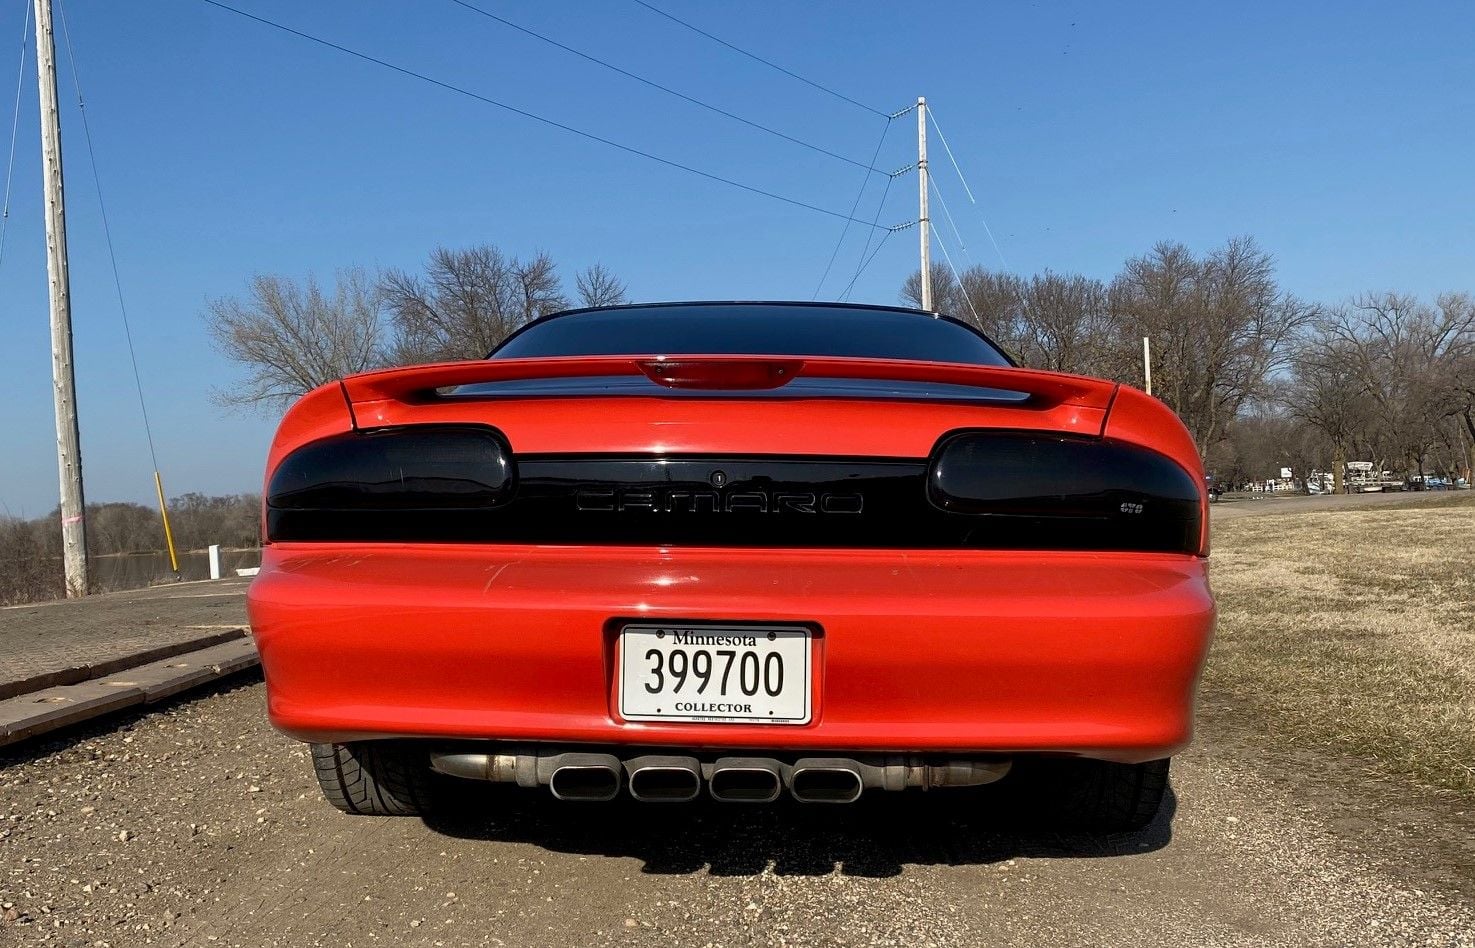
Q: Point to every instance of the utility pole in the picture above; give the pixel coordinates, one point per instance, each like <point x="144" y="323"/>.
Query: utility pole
<point x="1147" y="364"/>
<point x="925" y="225"/>
<point x="63" y="383"/>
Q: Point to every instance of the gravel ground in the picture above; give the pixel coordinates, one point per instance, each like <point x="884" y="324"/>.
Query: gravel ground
<point x="196" y="824"/>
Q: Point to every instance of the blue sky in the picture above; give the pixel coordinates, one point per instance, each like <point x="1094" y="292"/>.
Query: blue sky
<point x="1339" y="134"/>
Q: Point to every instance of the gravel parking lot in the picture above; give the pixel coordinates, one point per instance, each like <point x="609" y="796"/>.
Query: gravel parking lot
<point x="197" y="824"/>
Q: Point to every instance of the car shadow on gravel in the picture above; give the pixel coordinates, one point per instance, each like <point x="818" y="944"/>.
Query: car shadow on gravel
<point x="874" y="838"/>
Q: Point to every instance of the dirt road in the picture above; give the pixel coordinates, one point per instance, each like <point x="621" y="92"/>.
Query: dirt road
<point x="198" y="825"/>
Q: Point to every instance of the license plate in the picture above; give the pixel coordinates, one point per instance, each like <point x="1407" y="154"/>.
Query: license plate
<point x="736" y="673"/>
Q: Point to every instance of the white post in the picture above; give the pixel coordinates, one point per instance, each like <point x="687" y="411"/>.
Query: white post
<point x="63" y="383"/>
<point x="1147" y="364"/>
<point x="925" y="225"/>
<point x="215" y="561"/>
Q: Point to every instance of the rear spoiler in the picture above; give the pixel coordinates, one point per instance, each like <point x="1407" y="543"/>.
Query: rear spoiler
<point x="424" y="383"/>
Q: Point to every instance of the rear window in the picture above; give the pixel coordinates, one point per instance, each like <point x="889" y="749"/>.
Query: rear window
<point x="752" y="329"/>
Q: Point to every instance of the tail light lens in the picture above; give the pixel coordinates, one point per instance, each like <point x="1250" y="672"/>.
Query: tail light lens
<point x="365" y="485"/>
<point x="1123" y="495"/>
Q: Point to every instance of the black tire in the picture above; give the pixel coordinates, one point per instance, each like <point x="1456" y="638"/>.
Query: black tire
<point x="1094" y="795"/>
<point x="373" y="778"/>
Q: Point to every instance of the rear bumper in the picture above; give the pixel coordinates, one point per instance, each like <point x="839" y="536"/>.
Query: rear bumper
<point x="991" y="652"/>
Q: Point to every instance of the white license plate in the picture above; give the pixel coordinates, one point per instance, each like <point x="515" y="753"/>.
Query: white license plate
<point x="739" y="673"/>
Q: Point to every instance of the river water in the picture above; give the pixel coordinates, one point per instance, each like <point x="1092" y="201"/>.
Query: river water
<point x="134" y="570"/>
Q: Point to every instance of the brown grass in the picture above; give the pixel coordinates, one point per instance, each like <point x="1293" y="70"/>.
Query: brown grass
<point x="1355" y="630"/>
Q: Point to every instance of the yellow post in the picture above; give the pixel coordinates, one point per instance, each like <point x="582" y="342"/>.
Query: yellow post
<point x="164" y="512"/>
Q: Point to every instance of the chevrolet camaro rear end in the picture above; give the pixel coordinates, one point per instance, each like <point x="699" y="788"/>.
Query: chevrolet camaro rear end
<point x="741" y="550"/>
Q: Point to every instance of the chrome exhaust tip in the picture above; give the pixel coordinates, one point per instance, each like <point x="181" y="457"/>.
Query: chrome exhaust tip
<point x="745" y="780"/>
<point x="592" y="778"/>
<point x="825" y="780"/>
<point x="657" y="779"/>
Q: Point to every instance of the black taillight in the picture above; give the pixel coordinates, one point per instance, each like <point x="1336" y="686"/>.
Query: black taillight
<point x="1109" y="494"/>
<point x="375" y="484"/>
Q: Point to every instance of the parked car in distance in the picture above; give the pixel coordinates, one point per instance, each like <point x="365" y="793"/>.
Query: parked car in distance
<point x="740" y="549"/>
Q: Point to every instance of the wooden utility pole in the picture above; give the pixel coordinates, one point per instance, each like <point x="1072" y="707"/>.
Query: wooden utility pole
<point x="925" y="228"/>
<point x="63" y="383"/>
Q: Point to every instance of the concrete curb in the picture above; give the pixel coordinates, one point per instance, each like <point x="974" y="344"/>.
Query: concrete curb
<point x="59" y="706"/>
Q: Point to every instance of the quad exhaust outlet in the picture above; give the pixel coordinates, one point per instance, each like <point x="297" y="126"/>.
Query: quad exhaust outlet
<point x="746" y="780"/>
<point x="826" y="780"/>
<point x="665" y="779"/>
<point x="654" y="778"/>
<point x="589" y="777"/>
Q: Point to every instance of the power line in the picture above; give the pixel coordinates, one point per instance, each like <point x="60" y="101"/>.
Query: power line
<point x="459" y="90"/>
<point x="107" y="231"/>
<point x="962" y="290"/>
<point x="870" y="168"/>
<point x="948" y="214"/>
<point x="753" y="56"/>
<point x="863" y="261"/>
<point x="932" y="114"/>
<point x="25" y="32"/>
<point x="867" y="261"/>
<point x="845" y="231"/>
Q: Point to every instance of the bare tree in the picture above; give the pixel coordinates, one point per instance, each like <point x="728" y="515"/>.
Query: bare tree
<point x="292" y="337"/>
<point x="946" y="297"/>
<point x="1323" y="392"/>
<point x="990" y="300"/>
<point x="1220" y="326"/>
<point x="30" y="561"/>
<point x="1459" y="381"/>
<point x="1383" y="377"/>
<point x="466" y="302"/>
<point x="597" y="286"/>
<point x="1065" y="326"/>
<point x="1410" y="364"/>
<point x="123" y="528"/>
<point x="1264" y="440"/>
<point x="1052" y="321"/>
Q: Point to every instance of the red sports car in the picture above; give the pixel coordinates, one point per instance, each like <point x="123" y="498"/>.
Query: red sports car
<point x="741" y="549"/>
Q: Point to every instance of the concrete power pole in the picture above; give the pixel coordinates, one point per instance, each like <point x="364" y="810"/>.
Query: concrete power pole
<point x="925" y="225"/>
<point x="64" y="387"/>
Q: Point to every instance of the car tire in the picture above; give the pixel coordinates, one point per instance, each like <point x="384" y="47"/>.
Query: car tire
<point x="1095" y="795"/>
<point x="373" y="778"/>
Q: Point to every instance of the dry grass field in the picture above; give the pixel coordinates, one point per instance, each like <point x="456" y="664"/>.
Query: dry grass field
<point x="1354" y="630"/>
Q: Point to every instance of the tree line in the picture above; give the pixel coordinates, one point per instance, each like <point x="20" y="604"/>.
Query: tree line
<point x="1262" y="379"/>
<point x="31" y="553"/>
<point x="291" y="336"/>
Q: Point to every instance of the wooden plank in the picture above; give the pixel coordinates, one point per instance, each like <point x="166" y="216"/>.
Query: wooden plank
<point x="51" y="708"/>
<point x="44" y="711"/>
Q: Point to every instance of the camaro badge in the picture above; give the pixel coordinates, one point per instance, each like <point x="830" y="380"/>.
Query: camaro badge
<point x="682" y="500"/>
